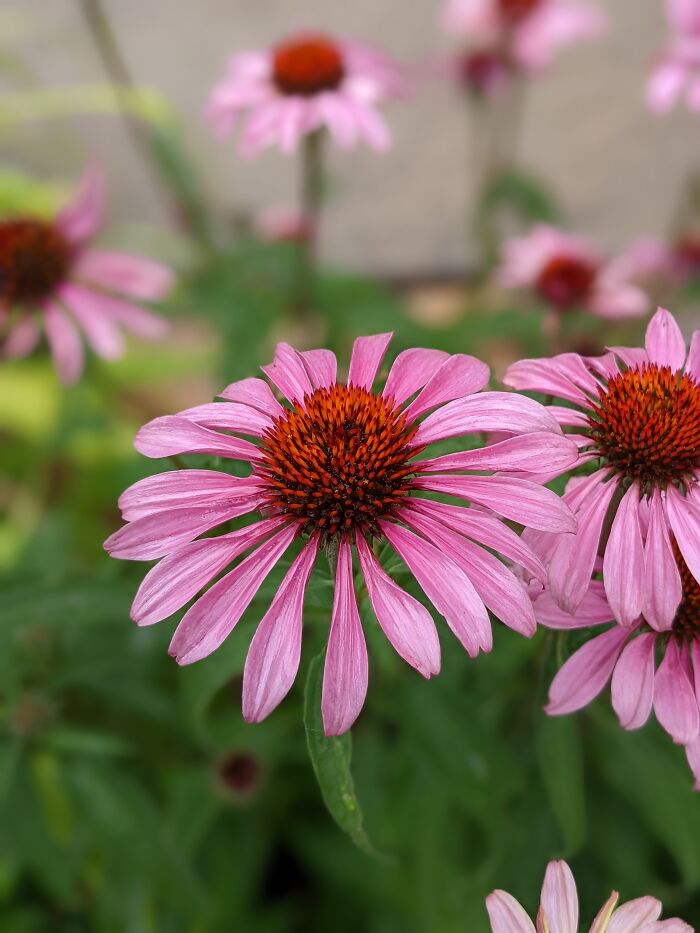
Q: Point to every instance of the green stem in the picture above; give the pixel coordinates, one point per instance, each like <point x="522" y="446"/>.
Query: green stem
<point x="304" y="283"/>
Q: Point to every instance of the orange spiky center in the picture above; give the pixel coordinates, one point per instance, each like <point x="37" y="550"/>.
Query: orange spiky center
<point x="34" y="259"/>
<point x="566" y="281"/>
<point x="515" y="10"/>
<point x="686" y="625"/>
<point x="338" y="463"/>
<point x="308" y="66"/>
<point x="646" y="425"/>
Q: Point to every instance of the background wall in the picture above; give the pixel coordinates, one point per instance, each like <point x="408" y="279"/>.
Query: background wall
<point x="614" y="166"/>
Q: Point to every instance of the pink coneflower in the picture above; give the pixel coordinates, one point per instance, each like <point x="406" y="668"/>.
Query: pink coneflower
<point x="283" y="224"/>
<point x="342" y="466"/>
<point x="532" y="31"/>
<point x="627" y="655"/>
<point x="51" y="279"/>
<point x="566" y="272"/>
<point x="301" y="85"/>
<point x="677" y="72"/>
<point x="636" y="414"/>
<point x="559" y="911"/>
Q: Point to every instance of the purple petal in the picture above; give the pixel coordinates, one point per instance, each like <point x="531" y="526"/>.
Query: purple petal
<point x="322" y="367"/>
<point x="253" y="392"/>
<point x="101" y="332"/>
<point x="445" y="585"/>
<point x="135" y="276"/>
<point x="366" y="358"/>
<point x="273" y="657"/>
<point x="410" y="371"/>
<point x="692" y="364"/>
<point x="406" y="623"/>
<point x="592" y="610"/>
<point x="675" y="704"/>
<point x="526" y="452"/>
<point x="64" y="343"/>
<point x="81" y="218"/>
<point x="683" y="513"/>
<point x="345" y="671"/>
<point x="229" y="416"/>
<point x="586" y="672"/>
<point x="172" y="435"/>
<point x="182" y="574"/>
<point x="623" y="563"/>
<point x="460" y="375"/>
<point x="663" y="589"/>
<point x="552" y="377"/>
<point x="516" y="499"/>
<point x="487" y="411"/>
<point x="664" y="341"/>
<point x="178" y="488"/>
<point x="632" y="685"/>
<point x="214" y="616"/>
<point x="288" y="373"/>
<point x="136" y="320"/>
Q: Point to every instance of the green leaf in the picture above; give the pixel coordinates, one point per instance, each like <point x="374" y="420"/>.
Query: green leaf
<point x="330" y="758"/>
<point x="561" y="763"/>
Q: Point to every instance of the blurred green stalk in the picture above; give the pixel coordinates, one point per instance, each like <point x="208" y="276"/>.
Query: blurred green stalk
<point x="304" y="281"/>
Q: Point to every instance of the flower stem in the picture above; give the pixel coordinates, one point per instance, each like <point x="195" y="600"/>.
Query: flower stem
<point x="305" y="273"/>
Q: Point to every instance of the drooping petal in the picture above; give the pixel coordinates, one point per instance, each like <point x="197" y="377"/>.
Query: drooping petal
<point x="683" y="514"/>
<point x="214" y="616"/>
<point x="410" y="371"/>
<point x="445" y="585"/>
<point x="507" y="915"/>
<point x="586" y="672"/>
<point x="64" y="343"/>
<point x="517" y="499"/>
<point x="486" y="411"/>
<point x="460" y="375"/>
<point x="675" y="704"/>
<point x="623" y="562"/>
<point x="560" y="899"/>
<point x="136" y="320"/>
<point x="366" y="358"/>
<point x="406" y="623"/>
<point x="102" y="333"/>
<point x="664" y="341"/>
<point x="663" y="588"/>
<point x="171" y="435"/>
<point x="632" y="685"/>
<point x="692" y="364"/>
<point x="183" y="573"/>
<point x="562" y="376"/>
<point x="592" y="610"/>
<point x="345" y="670"/>
<point x="273" y="657"/>
<point x="572" y="562"/>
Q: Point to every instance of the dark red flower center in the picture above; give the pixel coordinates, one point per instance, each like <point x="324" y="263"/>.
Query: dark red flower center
<point x="566" y="281"/>
<point x="687" y="252"/>
<point x="34" y="259"/>
<point x="686" y="625"/>
<point x="515" y="10"/>
<point x="239" y="772"/>
<point x="307" y="66"/>
<point x="646" y="425"/>
<point x="340" y="462"/>
<point x="479" y="71"/>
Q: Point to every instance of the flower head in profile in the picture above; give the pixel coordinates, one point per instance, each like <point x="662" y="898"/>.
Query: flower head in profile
<point x="305" y="83"/>
<point x="341" y="467"/>
<point x="676" y="74"/>
<point x="566" y="272"/>
<point x="53" y="280"/>
<point x="559" y="910"/>
<point x="529" y="32"/>
<point x="626" y="655"/>
<point x="635" y="414"/>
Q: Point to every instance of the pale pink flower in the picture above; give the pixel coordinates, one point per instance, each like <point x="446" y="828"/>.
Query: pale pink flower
<point x="559" y="910"/>
<point x="301" y="85"/>
<point x="566" y="272"/>
<point x="532" y="31"/>
<point x="53" y="280"/>
<point x="339" y="466"/>
<point x="676" y="74"/>
<point x="635" y="414"/>
<point x="626" y="655"/>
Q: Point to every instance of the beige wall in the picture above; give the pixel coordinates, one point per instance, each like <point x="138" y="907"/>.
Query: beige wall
<point x="615" y="166"/>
